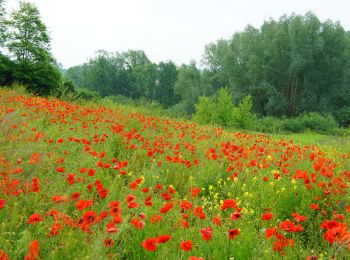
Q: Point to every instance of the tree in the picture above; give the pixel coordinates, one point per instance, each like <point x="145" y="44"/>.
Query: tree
<point x="190" y="86"/>
<point x="3" y="26"/>
<point x="29" y="43"/>
<point x="289" y="66"/>
<point x="167" y="76"/>
<point x="28" y="38"/>
<point x="142" y="73"/>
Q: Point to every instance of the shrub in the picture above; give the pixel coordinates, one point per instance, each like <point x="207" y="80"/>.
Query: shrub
<point x="85" y="94"/>
<point x="242" y="115"/>
<point x="309" y="121"/>
<point x="205" y="111"/>
<point x="343" y="116"/>
<point x="221" y="111"/>
<point x="268" y="124"/>
<point x="224" y="109"/>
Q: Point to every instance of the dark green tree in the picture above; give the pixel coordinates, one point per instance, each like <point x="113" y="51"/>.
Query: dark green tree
<point x="190" y="86"/>
<point x="164" y="88"/>
<point x="3" y="24"/>
<point x="29" y="43"/>
<point x="28" y="40"/>
<point x="289" y="66"/>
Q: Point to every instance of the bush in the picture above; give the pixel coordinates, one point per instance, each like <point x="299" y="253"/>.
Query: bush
<point x="221" y="111"/>
<point x="343" y="116"/>
<point x="205" y="111"/>
<point x="309" y="121"/>
<point x="223" y="114"/>
<point x="242" y="115"/>
<point x="268" y="124"/>
<point x="85" y="94"/>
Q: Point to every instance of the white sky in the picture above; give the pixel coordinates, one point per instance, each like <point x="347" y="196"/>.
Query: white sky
<point x="164" y="29"/>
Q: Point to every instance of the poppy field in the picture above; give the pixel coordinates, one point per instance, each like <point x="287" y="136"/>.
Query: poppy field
<point x="87" y="181"/>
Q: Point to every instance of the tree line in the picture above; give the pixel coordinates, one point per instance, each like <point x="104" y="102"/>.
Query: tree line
<point x="290" y="66"/>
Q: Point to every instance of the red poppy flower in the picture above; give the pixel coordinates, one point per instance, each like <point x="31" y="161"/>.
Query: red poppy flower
<point x="298" y="217"/>
<point x="129" y="198"/>
<point x="83" y="204"/>
<point x="186" y="205"/>
<point x="266" y="216"/>
<point x="235" y="216"/>
<point x="60" y="199"/>
<point x="114" y="208"/>
<point x="33" y="251"/>
<point x="156" y="219"/>
<point x="137" y="223"/>
<point x="75" y="196"/>
<point x="2" y="203"/>
<point x="150" y="244"/>
<point x="108" y="242"/>
<point x="195" y="191"/>
<point x="186" y="245"/>
<point x="314" y="206"/>
<point x="232" y="233"/>
<point x="133" y="205"/>
<point x="111" y="228"/>
<point x="290" y="226"/>
<point x="89" y="217"/>
<point x="230" y="203"/>
<point x="270" y="232"/>
<point x="35" y="218"/>
<point x="217" y="221"/>
<point x="163" y="238"/>
<point x="3" y="256"/>
<point x="167" y="206"/>
<point x="60" y="169"/>
<point x="207" y="233"/>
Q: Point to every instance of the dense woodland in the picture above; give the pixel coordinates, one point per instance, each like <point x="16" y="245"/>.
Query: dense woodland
<point x="290" y="66"/>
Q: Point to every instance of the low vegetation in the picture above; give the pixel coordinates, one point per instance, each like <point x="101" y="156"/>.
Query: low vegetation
<point x="83" y="180"/>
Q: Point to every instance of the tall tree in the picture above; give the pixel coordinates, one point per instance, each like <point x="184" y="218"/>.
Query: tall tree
<point x="289" y="66"/>
<point x="3" y="26"/>
<point x="190" y="86"/>
<point x="29" y="43"/>
<point x="167" y="77"/>
<point x="29" y="40"/>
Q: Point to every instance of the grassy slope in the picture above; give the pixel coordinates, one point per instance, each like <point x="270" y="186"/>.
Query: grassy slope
<point x="253" y="158"/>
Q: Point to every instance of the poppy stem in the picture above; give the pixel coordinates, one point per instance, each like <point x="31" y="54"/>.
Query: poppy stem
<point x="229" y="248"/>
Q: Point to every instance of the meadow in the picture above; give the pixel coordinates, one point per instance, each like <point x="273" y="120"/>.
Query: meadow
<point x="92" y="181"/>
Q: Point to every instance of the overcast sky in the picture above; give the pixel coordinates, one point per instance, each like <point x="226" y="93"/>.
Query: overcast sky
<point x="174" y="30"/>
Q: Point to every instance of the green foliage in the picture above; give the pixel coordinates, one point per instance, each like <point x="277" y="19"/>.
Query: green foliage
<point x="85" y="94"/>
<point x="6" y="70"/>
<point x="224" y="115"/>
<point x="190" y="86"/>
<point x="28" y="39"/>
<point x="41" y="78"/>
<point x="289" y="66"/>
<point x="220" y="110"/>
<point x="269" y="124"/>
<point x="164" y="85"/>
<point x="205" y="111"/>
<point x="65" y="90"/>
<point x="343" y="116"/>
<point x="3" y="26"/>
<point x="309" y="121"/>
<point x="242" y="115"/>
